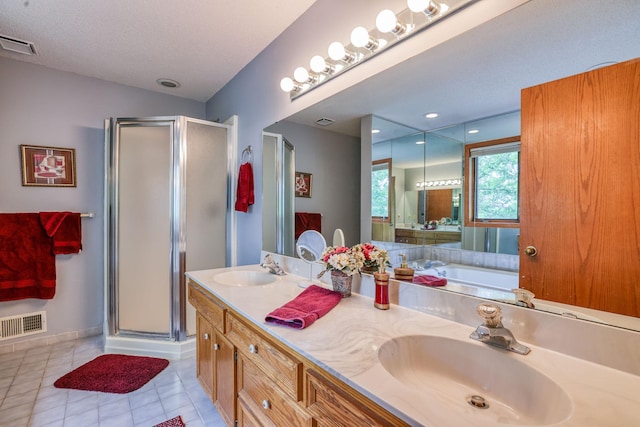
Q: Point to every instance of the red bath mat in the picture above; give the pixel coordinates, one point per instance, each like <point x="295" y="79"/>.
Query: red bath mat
<point x="173" y="422"/>
<point x="113" y="373"/>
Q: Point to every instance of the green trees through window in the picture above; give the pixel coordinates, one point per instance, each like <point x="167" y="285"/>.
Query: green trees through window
<point x="497" y="186"/>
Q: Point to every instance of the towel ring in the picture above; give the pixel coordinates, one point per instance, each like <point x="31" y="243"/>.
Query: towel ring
<point x="248" y="152"/>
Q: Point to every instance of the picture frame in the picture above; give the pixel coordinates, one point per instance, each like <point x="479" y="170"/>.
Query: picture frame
<point x="303" y="184"/>
<point x="48" y="166"/>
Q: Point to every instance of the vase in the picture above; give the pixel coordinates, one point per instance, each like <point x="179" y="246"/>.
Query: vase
<point x="341" y="283"/>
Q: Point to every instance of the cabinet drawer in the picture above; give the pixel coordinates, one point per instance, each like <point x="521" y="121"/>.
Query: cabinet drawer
<point x="330" y="404"/>
<point x="264" y="399"/>
<point x="279" y="366"/>
<point x="207" y="306"/>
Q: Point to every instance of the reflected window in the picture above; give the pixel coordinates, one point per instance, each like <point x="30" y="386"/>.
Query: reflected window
<point x="381" y="190"/>
<point x="493" y="181"/>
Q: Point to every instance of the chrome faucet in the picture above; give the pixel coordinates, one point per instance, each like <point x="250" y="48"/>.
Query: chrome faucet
<point x="272" y="266"/>
<point x="493" y="333"/>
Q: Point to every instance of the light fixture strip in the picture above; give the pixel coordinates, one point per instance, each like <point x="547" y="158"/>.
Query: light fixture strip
<point x="354" y="55"/>
<point x="439" y="183"/>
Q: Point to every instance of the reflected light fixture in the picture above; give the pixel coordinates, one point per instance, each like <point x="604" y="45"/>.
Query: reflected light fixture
<point x="390" y="28"/>
<point x="439" y="183"/>
<point x="360" y="38"/>
<point x="472" y="131"/>
<point x="375" y="130"/>
<point x="431" y="115"/>
<point x="419" y="142"/>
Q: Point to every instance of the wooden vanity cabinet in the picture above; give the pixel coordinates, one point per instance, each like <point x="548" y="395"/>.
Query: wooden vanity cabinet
<point x="215" y="354"/>
<point x="257" y="381"/>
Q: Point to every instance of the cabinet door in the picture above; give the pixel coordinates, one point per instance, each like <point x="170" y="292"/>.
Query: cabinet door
<point x="332" y="405"/>
<point x="580" y="189"/>
<point x="224" y="380"/>
<point x="204" y="354"/>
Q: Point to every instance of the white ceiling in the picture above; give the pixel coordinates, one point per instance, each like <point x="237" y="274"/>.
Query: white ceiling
<point x="200" y="43"/>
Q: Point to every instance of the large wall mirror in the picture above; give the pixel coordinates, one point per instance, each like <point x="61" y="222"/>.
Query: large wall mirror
<point x="474" y="81"/>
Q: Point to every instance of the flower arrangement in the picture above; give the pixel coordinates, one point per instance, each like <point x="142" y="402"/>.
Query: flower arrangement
<point x="372" y="255"/>
<point x="342" y="258"/>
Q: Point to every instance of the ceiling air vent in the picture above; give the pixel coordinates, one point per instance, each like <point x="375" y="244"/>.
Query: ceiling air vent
<point x="18" y="46"/>
<point x="324" y="121"/>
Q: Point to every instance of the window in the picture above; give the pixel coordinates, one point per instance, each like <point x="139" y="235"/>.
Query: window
<point x="492" y="180"/>
<point x="381" y="190"/>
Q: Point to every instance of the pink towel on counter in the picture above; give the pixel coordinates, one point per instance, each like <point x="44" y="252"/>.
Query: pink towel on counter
<point x="312" y="303"/>
<point x="427" y="280"/>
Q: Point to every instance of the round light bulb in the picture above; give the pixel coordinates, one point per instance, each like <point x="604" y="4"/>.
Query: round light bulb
<point x="386" y="21"/>
<point x="318" y="64"/>
<point x="336" y="51"/>
<point x="360" y="37"/>
<point x="429" y="7"/>
<point x="287" y="84"/>
<point x="301" y="74"/>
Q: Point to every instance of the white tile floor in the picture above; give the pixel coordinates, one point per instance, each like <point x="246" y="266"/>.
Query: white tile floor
<point x="28" y="397"/>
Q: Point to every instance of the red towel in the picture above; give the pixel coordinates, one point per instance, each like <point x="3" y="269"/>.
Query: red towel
<point x="244" y="193"/>
<point x="312" y="303"/>
<point x="65" y="229"/>
<point x="425" y="279"/>
<point x="27" y="263"/>
<point x="307" y="221"/>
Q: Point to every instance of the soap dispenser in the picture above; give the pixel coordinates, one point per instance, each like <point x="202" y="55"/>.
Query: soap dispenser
<point x="404" y="272"/>
<point x="381" y="278"/>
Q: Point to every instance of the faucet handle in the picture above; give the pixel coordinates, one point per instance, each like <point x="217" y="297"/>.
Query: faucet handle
<point x="491" y="315"/>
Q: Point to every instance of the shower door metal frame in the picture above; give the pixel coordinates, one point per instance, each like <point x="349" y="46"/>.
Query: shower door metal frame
<point x="177" y="256"/>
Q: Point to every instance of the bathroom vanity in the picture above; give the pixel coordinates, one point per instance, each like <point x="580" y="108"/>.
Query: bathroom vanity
<point x="360" y="366"/>
<point x="426" y="237"/>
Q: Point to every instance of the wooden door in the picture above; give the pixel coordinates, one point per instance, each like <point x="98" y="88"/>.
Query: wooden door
<point x="580" y="189"/>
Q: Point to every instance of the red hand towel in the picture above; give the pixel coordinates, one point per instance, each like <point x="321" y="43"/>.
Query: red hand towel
<point x="65" y="229"/>
<point x="312" y="303"/>
<point x="27" y="263"/>
<point x="429" y="280"/>
<point x="244" y="193"/>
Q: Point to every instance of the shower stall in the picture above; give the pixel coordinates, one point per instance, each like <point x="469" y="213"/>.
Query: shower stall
<point x="168" y="185"/>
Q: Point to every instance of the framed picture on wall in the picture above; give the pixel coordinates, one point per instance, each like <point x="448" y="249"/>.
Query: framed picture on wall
<point x="303" y="184"/>
<point x="48" y="166"/>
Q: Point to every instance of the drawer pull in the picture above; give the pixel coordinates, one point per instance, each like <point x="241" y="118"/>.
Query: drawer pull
<point x="266" y="404"/>
<point x="206" y="336"/>
<point x="253" y="348"/>
<point x="216" y="346"/>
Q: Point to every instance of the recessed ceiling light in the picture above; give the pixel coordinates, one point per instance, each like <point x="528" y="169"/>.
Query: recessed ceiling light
<point x="168" y="83"/>
<point x="472" y="131"/>
<point x="431" y="115"/>
<point x="375" y="131"/>
<point x="419" y="142"/>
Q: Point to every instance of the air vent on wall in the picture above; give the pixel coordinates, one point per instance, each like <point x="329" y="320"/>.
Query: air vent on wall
<point x="23" y="324"/>
<point x="324" y="121"/>
<point x="18" y="46"/>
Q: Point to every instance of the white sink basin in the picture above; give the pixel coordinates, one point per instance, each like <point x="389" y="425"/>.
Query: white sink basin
<point x="244" y="278"/>
<point x="454" y="370"/>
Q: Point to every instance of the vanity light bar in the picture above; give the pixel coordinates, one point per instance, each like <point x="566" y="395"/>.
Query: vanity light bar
<point x="439" y="183"/>
<point x="390" y="29"/>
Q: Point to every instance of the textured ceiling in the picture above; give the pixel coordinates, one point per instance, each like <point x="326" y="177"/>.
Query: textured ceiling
<point x="200" y="43"/>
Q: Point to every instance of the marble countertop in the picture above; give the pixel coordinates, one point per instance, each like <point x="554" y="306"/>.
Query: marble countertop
<point x="346" y="341"/>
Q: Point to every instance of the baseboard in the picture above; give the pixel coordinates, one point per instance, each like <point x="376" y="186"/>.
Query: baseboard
<point x="173" y="350"/>
<point x="49" y="340"/>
